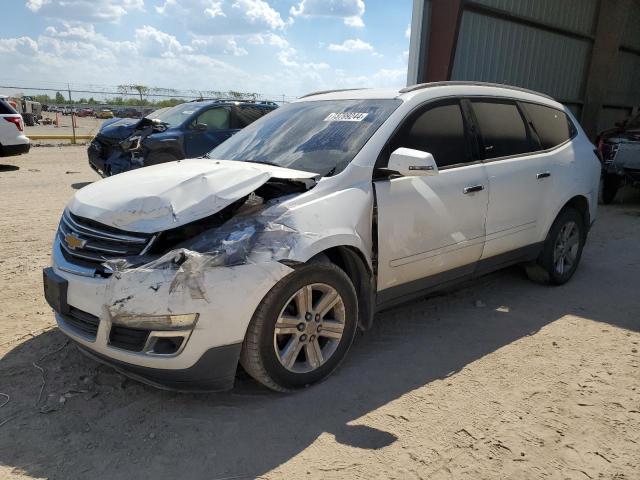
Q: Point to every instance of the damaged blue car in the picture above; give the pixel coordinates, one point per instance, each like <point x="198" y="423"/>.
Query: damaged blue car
<point x="188" y="130"/>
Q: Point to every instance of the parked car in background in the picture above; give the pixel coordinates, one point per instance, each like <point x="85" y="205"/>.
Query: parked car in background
<point x="104" y="113"/>
<point x="86" y="112"/>
<point x="290" y="235"/>
<point x="67" y="110"/>
<point x="187" y="130"/>
<point x="13" y="141"/>
<point x="620" y="153"/>
<point x="128" y="112"/>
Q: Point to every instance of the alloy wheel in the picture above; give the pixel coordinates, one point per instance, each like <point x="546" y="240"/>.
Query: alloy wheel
<point x="309" y="328"/>
<point x="566" y="247"/>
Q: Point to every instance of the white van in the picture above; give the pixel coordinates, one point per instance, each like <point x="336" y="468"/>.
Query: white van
<point x="272" y="251"/>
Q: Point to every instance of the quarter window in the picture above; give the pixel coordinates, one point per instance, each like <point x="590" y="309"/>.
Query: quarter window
<point x="248" y="115"/>
<point x="503" y="130"/>
<point x="439" y="130"/>
<point x="552" y="126"/>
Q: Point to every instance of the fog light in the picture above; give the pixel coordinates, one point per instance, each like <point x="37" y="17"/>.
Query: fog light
<point x="158" y="322"/>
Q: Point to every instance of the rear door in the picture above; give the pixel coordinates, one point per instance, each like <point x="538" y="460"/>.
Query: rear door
<point x="519" y="181"/>
<point x="431" y="228"/>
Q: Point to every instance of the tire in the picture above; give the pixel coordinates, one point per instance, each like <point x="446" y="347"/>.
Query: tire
<point x="610" y="185"/>
<point x="264" y="352"/>
<point x="562" y="249"/>
<point x="158" y="157"/>
<point x="28" y="119"/>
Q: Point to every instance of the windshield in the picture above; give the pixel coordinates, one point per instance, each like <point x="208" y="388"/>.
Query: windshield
<point x="320" y="137"/>
<point x="174" y="116"/>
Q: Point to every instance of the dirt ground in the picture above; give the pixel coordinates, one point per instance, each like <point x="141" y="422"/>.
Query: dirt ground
<point x="84" y="126"/>
<point x="500" y="379"/>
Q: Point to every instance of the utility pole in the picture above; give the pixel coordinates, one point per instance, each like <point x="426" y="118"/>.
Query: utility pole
<point x="73" y="119"/>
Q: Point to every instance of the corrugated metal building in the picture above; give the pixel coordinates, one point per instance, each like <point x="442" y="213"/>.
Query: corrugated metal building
<point x="585" y="53"/>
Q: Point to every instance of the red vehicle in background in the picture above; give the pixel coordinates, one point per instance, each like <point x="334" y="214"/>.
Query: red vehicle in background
<point x="85" y="112"/>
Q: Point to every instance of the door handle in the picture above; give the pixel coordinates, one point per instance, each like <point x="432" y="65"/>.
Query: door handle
<point x="543" y="175"/>
<point x="475" y="188"/>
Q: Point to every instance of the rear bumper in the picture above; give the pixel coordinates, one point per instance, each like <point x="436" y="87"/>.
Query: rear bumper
<point x="214" y="372"/>
<point x="10" y="150"/>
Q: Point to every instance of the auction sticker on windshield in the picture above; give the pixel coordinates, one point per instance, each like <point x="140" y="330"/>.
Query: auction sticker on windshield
<point x="346" y="117"/>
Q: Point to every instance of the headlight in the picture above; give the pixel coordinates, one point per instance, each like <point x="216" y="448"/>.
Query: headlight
<point x="157" y="322"/>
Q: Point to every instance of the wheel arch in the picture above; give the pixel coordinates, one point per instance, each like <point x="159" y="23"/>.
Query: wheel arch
<point x="354" y="263"/>
<point x="580" y="203"/>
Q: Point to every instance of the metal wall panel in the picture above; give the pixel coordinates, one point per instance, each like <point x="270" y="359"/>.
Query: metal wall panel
<point x="576" y="15"/>
<point x="495" y="50"/>
<point x="631" y="36"/>
<point x="624" y="83"/>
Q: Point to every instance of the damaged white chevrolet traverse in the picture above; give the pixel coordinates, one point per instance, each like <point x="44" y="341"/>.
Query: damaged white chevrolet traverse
<point x="272" y="250"/>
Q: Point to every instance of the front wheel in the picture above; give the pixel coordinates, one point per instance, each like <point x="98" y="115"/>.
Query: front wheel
<point x="562" y="249"/>
<point x="302" y="329"/>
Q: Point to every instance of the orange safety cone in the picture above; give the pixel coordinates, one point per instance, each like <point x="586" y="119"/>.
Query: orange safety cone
<point x="57" y="119"/>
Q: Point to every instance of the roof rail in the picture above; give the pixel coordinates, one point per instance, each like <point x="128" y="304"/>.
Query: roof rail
<point x="320" y="92"/>
<point x="420" y="86"/>
<point x="222" y="100"/>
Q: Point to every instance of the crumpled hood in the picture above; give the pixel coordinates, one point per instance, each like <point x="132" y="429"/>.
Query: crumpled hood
<point x="169" y="195"/>
<point x="119" y="128"/>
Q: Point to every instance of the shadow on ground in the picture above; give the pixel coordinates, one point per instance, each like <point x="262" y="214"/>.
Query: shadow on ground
<point x="79" y="185"/>
<point x="8" y="168"/>
<point x="110" y="427"/>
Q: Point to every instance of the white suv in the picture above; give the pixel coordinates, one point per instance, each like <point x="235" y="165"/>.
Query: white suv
<point x="13" y="141"/>
<point x="272" y="250"/>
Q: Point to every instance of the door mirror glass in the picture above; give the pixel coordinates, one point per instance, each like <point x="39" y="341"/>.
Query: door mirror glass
<point x="200" y="127"/>
<point x="412" y="163"/>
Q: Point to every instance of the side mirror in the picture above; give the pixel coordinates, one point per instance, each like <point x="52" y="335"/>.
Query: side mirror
<point x="200" y="127"/>
<point x="412" y="163"/>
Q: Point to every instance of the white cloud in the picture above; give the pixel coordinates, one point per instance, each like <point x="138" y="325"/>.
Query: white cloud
<point x="85" y="10"/>
<point x="350" y="11"/>
<point x="407" y="32"/>
<point x="223" y="17"/>
<point x="218" y="45"/>
<point x="152" y="42"/>
<point x="268" y="39"/>
<point x="21" y="45"/>
<point x="353" y="45"/>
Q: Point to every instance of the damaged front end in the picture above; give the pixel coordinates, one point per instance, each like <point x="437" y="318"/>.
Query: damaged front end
<point x="120" y="146"/>
<point x="134" y="279"/>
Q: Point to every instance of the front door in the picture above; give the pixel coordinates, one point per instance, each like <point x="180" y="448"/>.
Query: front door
<point x="431" y="229"/>
<point x="200" y="140"/>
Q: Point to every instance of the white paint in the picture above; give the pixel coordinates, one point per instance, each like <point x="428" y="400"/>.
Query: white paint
<point x="172" y="194"/>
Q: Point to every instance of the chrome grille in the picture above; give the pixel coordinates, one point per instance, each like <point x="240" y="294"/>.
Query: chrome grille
<point x="89" y="241"/>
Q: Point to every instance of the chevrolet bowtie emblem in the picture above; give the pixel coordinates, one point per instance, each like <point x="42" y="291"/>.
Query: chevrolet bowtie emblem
<point x="73" y="241"/>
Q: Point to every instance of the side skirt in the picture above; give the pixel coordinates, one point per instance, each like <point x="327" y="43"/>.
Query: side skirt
<point x="390" y="297"/>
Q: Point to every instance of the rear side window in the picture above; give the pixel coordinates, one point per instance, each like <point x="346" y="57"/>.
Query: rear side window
<point x="503" y="130"/>
<point x="5" y="107"/>
<point x="552" y="126"/>
<point x="247" y="115"/>
<point x="438" y="130"/>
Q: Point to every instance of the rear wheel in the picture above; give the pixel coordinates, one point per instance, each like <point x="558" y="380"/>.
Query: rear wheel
<point x="302" y="329"/>
<point x="29" y="120"/>
<point x="562" y="249"/>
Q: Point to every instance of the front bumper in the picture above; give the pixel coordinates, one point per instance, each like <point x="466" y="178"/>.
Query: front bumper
<point x="225" y="299"/>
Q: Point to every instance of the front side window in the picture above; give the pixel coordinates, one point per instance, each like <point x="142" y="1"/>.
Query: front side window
<point x="439" y="130"/>
<point x="502" y="128"/>
<point x="552" y="126"/>
<point x="214" y="119"/>
<point x="321" y="137"/>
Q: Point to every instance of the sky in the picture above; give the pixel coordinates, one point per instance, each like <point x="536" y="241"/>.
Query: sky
<point x="271" y="47"/>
